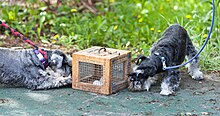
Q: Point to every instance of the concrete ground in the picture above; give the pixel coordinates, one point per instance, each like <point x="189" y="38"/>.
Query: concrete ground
<point x="194" y="98"/>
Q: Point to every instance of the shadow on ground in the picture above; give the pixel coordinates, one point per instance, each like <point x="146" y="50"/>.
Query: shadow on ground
<point x="193" y="98"/>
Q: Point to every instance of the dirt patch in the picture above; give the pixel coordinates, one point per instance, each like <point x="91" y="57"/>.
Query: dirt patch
<point x="210" y="82"/>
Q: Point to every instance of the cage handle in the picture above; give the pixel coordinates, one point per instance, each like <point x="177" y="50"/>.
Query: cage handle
<point x="103" y="48"/>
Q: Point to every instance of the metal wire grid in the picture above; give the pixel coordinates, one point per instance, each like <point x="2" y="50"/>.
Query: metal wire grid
<point x="89" y="72"/>
<point x="118" y="71"/>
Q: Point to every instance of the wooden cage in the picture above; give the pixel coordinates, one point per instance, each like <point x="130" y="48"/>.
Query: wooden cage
<point x="100" y="70"/>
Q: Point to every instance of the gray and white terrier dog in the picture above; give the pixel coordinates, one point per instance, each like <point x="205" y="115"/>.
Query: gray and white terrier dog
<point x="173" y="46"/>
<point x="23" y="68"/>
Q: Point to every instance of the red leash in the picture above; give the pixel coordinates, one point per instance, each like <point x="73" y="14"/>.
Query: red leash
<point x="41" y="54"/>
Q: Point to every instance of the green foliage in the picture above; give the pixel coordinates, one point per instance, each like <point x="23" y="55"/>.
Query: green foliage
<point x="132" y="24"/>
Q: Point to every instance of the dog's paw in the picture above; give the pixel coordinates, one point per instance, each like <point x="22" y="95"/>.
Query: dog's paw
<point x="135" y="86"/>
<point x="198" y="75"/>
<point x="166" y="92"/>
<point x="146" y="86"/>
<point x="166" y="89"/>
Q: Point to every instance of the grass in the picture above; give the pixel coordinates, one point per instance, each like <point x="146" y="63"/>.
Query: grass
<point x="123" y="24"/>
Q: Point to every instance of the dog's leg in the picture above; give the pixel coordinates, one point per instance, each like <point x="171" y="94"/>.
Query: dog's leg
<point x="147" y="84"/>
<point x="170" y="83"/>
<point x="55" y="82"/>
<point x="47" y="81"/>
<point x="193" y="67"/>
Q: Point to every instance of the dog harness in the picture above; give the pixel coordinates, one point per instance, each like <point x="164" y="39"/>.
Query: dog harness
<point x="41" y="54"/>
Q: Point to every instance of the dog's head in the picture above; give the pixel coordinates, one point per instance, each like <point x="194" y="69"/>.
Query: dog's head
<point x="140" y="74"/>
<point x="59" y="62"/>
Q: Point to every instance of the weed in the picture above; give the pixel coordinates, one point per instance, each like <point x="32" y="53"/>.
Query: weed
<point x="132" y="24"/>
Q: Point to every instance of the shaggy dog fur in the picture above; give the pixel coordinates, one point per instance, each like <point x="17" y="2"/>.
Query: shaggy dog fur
<point x="22" y="68"/>
<point x="174" y="45"/>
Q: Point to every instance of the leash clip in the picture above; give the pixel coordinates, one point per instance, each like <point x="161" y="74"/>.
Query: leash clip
<point x="163" y="63"/>
<point x="41" y="58"/>
<point x="162" y="59"/>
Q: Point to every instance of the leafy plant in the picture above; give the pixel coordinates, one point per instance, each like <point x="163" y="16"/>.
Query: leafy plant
<point x="132" y="24"/>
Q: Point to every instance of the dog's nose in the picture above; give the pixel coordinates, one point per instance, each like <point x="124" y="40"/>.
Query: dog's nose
<point x="131" y="79"/>
<point x="53" y="62"/>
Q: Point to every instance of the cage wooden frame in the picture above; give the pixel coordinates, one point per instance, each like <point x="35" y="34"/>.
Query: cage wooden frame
<point x="115" y="65"/>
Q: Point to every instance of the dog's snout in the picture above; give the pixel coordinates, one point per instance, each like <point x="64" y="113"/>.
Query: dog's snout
<point x="131" y="79"/>
<point x="53" y="62"/>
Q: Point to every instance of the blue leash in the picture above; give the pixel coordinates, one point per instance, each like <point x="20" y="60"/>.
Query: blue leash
<point x="207" y="39"/>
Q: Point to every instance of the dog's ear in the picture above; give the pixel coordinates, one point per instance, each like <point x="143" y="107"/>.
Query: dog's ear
<point x="66" y="59"/>
<point x="148" y="71"/>
<point x="141" y="58"/>
<point x="58" y="52"/>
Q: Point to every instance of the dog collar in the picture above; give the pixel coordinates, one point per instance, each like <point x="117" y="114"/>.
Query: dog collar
<point x="42" y="56"/>
<point x="162" y="59"/>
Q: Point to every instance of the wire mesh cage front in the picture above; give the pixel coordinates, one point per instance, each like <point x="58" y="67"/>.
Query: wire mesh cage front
<point x="91" y="73"/>
<point x="119" y="70"/>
